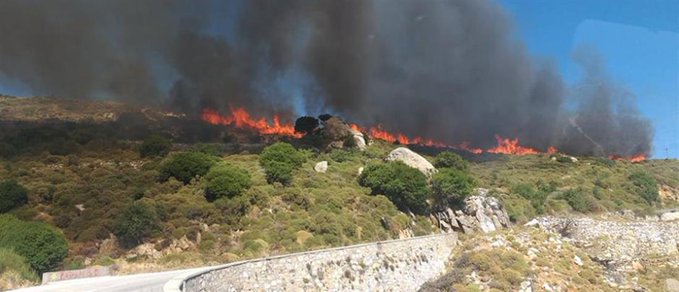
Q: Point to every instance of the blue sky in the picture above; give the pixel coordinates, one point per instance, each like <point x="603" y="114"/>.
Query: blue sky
<point x="639" y="41"/>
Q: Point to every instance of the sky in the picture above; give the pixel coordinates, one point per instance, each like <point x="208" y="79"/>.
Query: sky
<point x="639" y="41"/>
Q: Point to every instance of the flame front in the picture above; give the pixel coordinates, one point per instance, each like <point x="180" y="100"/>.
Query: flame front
<point x="511" y="146"/>
<point x="634" y="158"/>
<point x="240" y="118"/>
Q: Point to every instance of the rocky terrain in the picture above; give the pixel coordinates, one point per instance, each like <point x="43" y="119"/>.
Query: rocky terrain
<point x="609" y="253"/>
<point x="82" y="172"/>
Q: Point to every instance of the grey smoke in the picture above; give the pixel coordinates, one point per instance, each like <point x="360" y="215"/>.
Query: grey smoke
<point x="446" y="69"/>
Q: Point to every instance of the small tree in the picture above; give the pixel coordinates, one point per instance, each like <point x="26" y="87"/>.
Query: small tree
<point x="43" y="246"/>
<point x="226" y="180"/>
<point x="186" y="166"/>
<point x="155" y="145"/>
<point x="12" y="195"/>
<point x="306" y="124"/>
<point x="451" y="186"/>
<point x="135" y="223"/>
<point x="447" y="159"/>
<point x="279" y="160"/>
<point x="406" y="187"/>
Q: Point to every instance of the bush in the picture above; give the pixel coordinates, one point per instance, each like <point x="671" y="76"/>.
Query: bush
<point x="12" y="195"/>
<point x="155" y="145"/>
<point x="576" y="199"/>
<point x="279" y="160"/>
<point x="135" y="223"/>
<point x="186" y="166"/>
<point x="451" y="186"/>
<point x="647" y="187"/>
<point x="537" y="197"/>
<point x="306" y="124"/>
<point x="11" y="261"/>
<point x="43" y="247"/>
<point x="209" y="149"/>
<point x="340" y="155"/>
<point x="226" y="180"/>
<point x="447" y="159"/>
<point x="405" y="186"/>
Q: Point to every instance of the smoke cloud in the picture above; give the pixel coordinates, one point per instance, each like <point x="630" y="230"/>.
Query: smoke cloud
<point x="449" y="70"/>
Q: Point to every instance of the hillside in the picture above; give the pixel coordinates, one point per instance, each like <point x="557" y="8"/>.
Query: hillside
<point x="84" y="176"/>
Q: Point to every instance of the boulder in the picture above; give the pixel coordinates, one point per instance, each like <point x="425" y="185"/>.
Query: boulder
<point x="413" y="160"/>
<point x="336" y="129"/>
<point x="670" y="216"/>
<point x="672" y="285"/>
<point x="339" y="133"/>
<point x="321" y="167"/>
<point x="359" y="139"/>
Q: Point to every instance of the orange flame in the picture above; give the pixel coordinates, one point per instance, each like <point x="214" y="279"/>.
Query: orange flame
<point x="465" y="146"/>
<point x="241" y="119"/>
<point x="634" y="158"/>
<point x="509" y="146"/>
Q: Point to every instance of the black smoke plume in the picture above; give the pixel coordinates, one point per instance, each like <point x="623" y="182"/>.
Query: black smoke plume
<point x="452" y="70"/>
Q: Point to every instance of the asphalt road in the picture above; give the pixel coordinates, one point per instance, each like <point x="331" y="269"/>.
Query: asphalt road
<point x="147" y="282"/>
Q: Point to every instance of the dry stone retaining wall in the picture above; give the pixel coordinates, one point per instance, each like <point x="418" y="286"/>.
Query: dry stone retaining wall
<point x="397" y="265"/>
<point x="619" y="239"/>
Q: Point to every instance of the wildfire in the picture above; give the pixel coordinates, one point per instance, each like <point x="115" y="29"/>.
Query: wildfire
<point x="241" y="118"/>
<point x="465" y="146"/>
<point x="511" y="146"/>
<point x="634" y="158"/>
<point x="379" y="133"/>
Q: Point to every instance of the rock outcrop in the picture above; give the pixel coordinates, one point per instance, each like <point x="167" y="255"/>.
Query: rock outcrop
<point x="341" y="135"/>
<point x="321" y="167"/>
<point x="480" y="212"/>
<point x="413" y="160"/>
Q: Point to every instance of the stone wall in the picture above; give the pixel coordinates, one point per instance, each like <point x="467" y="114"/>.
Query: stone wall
<point x="619" y="239"/>
<point x="396" y="265"/>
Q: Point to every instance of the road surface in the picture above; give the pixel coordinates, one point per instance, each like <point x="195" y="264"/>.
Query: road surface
<point x="147" y="282"/>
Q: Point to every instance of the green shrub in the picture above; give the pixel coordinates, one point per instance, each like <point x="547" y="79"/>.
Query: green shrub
<point x="11" y="261"/>
<point x="226" y="180"/>
<point x="155" y="145"/>
<point x="647" y="187"/>
<point x="576" y="199"/>
<point x="186" y="166"/>
<point x="405" y="186"/>
<point x="43" y="247"/>
<point x="537" y="197"/>
<point x="451" y="186"/>
<point x="519" y="209"/>
<point x="447" y="159"/>
<point x="340" y="155"/>
<point x="279" y="160"/>
<point x="135" y="223"/>
<point x="209" y="149"/>
<point x="12" y="195"/>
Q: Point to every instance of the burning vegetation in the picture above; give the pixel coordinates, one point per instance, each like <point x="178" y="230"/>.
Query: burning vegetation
<point x="240" y="118"/>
